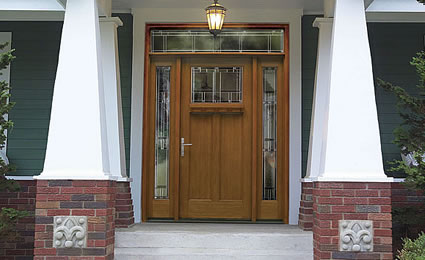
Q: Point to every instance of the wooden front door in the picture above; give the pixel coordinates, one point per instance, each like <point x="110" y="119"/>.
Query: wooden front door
<point x="216" y="114"/>
<point x="216" y="138"/>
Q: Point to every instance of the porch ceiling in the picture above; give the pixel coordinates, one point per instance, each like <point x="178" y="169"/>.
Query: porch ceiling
<point x="309" y="6"/>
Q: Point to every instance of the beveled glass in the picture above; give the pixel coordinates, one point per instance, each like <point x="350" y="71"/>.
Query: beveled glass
<point x="269" y="133"/>
<point x="230" y="40"/>
<point x="162" y="132"/>
<point x="216" y="85"/>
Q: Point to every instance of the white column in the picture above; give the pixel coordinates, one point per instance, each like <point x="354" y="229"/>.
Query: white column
<point x="320" y="98"/>
<point x="351" y="135"/>
<point x="112" y="86"/>
<point x="77" y="143"/>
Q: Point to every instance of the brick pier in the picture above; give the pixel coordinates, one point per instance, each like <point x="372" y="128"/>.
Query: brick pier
<point x="348" y="201"/>
<point x="93" y="201"/>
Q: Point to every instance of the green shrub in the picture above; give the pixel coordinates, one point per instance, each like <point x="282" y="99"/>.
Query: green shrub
<point x="413" y="249"/>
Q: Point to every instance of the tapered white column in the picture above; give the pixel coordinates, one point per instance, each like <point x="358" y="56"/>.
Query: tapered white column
<point x="351" y="135"/>
<point x="77" y="143"/>
<point x="320" y="98"/>
<point x="112" y="86"/>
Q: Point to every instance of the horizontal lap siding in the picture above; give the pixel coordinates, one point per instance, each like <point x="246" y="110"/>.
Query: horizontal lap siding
<point x="310" y="37"/>
<point x="392" y="46"/>
<point x="32" y="81"/>
<point x="125" y="45"/>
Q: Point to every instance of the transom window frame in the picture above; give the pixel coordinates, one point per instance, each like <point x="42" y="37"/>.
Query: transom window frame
<point x="193" y="26"/>
<point x="229" y="40"/>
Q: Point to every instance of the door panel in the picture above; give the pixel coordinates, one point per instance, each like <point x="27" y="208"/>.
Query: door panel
<point x="215" y="171"/>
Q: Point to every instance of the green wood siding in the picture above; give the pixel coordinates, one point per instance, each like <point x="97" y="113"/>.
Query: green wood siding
<point x="32" y="80"/>
<point x="125" y="47"/>
<point x="392" y="47"/>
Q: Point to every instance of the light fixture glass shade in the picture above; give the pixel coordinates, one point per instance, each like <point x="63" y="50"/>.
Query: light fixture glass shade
<point x="215" y="17"/>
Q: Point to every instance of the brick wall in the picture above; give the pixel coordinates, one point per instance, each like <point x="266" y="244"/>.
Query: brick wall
<point x="334" y="201"/>
<point x="124" y="216"/>
<point x="94" y="199"/>
<point x="305" y="221"/>
<point x="22" y="247"/>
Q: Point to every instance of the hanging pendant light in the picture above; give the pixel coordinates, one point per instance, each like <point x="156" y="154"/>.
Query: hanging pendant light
<point x="215" y="17"/>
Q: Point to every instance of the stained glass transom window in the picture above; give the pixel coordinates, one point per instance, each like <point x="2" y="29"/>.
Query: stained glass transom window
<point x="267" y="41"/>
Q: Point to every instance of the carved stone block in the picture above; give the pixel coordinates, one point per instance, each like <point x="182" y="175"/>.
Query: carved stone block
<point x="356" y="235"/>
<point x="70" y="232"/>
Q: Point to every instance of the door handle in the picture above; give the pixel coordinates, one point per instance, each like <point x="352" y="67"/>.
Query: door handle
<point x="182" y="145"/>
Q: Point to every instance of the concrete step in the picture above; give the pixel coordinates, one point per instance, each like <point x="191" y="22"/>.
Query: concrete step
<point x="213" y="241"/>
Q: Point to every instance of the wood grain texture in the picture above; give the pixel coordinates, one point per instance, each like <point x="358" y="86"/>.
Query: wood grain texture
<point x="216" y="170"/>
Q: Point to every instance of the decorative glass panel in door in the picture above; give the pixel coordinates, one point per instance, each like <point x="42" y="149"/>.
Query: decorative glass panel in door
<point x="216" y="85"/>
<point x="162" y="132"/>
<point x="269" y="133"/>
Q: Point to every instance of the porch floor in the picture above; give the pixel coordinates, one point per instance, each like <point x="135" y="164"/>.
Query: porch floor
<point x="213" y="241"/>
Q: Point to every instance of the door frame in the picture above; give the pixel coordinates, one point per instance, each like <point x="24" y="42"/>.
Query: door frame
<point x="147" y="128"/>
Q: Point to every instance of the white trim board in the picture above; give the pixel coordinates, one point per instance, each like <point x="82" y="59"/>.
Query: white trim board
<point x="143" y="16"/>
<point x="21" y="178"/>
<point x="48" y="16"/>
<point x="32" y="15"/>
<point x="5" y="74"/>
<point x="395" y="17"/>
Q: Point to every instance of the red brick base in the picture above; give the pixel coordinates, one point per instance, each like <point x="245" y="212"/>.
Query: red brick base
<point x="22" y="247"/>
<point x="94" y="199"/>
<point x="305" y="221"/>
<point x="334" y="201"/>
<point x="124" y="216"/>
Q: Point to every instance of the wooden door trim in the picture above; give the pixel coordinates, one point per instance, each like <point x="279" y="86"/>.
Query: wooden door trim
<point x="254" y="169"/>
<point x="286" y="129"/>
<point x="146" y="128"/>
<point x="176" y="192"/>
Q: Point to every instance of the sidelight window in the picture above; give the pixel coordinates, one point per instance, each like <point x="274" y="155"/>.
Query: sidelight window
<point x="162" y="132"/>
<point x="269" y="133"/>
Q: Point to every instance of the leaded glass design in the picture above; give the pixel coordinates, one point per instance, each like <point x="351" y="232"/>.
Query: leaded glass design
<point x="162" y="132"/>
<point x="216" y="85"/>
<point x="269" y="133"/>
<point x="267" y="41"/>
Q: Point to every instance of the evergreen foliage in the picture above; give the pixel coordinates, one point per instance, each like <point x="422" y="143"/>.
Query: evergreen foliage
<point x="413" y="249"/>
<point x="8" y="216"/>
<point x="410" y="135"/>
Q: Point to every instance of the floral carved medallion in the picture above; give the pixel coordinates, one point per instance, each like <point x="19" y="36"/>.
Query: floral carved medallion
<point x="70" y="232"/>
<point x="356" y="235"/>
